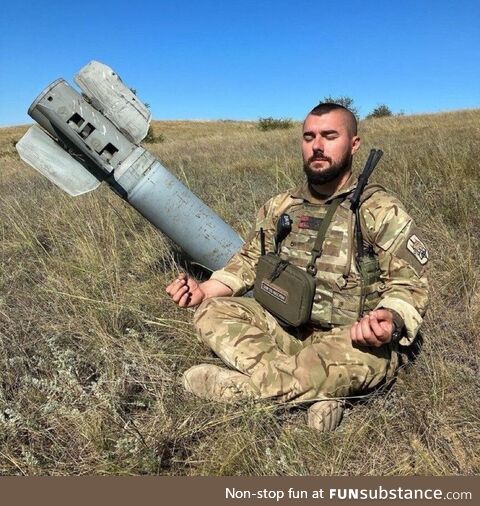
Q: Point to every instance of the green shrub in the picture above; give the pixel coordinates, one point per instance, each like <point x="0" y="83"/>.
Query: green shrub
<point x="270" y="123"/>
<point x="346" y="102"/>
<point x="380" y="111"/>
<point x="151" y="138"/>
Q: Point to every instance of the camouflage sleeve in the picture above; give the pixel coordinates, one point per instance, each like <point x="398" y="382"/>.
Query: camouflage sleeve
<point x="239" y="273"/>
<point x="403" y="259"/>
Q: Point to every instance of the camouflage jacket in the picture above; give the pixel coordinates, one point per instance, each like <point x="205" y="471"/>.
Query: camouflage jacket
<point x="401" y="283"/>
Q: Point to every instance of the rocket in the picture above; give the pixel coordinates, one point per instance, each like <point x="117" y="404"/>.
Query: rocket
<point x="85" y="138"/>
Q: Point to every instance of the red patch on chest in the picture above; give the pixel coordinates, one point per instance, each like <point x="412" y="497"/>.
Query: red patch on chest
<point x="309" y="222"/>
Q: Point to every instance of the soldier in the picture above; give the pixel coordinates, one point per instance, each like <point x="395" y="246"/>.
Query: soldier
<point x="350" y="344"/>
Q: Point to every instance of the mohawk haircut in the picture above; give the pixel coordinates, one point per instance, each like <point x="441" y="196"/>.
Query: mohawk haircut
<point x="327" y="107"/>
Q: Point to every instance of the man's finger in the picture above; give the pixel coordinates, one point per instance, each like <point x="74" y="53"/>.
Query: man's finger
<point x="359" y="335"/>
<point x="179" y="293"/>
<point x="366" y="330"/>
<point x="182" y="279"/>
<point x="375" y="342"/>
<point x="353" y="333"/>
<point x="378" y="330"/>
<point x="184" y="300"/>
<point x="367" y="337"/>
<point x="383" y="314"/>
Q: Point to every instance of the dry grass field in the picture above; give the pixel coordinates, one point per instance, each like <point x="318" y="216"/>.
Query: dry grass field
<point x="92" y="350"/>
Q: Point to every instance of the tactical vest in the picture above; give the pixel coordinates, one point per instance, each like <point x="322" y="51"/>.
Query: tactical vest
<point x="339" y="292"/>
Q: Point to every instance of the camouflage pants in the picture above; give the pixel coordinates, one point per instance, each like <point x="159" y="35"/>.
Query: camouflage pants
<point x="309" y="365"/>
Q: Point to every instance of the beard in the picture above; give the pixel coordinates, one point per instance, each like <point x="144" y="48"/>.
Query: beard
<point x="334" y="171"/>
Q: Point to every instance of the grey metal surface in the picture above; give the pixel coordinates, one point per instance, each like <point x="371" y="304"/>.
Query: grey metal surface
<point x="67" y="116"/>
<point x="117" y="102"/>
<point x="40" y="151"/>
<point x="178" y="213"/>
<point x="88" y="148"/>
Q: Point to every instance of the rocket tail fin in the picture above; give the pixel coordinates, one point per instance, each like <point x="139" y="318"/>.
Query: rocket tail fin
<point x="42" y="153"/>
<point x="117" y="102"/>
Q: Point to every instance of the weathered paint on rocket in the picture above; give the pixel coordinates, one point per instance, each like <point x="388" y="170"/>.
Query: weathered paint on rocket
<point x="92" y="137"/>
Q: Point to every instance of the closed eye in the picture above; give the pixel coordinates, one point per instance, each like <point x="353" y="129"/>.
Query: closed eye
<point x="330" y="134"/>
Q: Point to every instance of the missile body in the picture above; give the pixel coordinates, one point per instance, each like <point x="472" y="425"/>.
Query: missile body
<point x="94" y="136"/>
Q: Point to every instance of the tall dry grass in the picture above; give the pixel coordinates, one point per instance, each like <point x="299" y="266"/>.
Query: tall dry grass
<point x="92" y="351"/>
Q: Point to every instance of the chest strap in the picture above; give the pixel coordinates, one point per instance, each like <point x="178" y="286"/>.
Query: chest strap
<point x="318" y="246"/>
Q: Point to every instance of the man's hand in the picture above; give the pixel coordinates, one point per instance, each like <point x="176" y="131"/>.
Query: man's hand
<point x="185" y="291"/>
<point x="374" y="329"/>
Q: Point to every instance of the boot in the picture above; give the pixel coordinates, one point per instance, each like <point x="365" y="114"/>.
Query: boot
<point x="211" y="382"/>
<point x="326" y="415"/>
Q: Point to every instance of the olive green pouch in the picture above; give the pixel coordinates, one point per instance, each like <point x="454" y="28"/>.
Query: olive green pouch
<point x="369" y="269"/>
<point x="284" y="290"/>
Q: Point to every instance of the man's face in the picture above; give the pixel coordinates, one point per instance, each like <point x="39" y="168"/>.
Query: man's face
<point x="327" y="146"/>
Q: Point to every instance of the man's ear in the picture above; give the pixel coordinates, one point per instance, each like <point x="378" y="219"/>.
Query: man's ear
<point x="356" y="141"/>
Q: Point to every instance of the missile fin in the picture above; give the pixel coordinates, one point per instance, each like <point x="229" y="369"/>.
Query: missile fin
<point x="42" y="153"/>
<point x="116" y="101"/>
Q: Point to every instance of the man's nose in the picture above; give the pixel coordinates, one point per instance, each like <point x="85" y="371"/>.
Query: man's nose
<point x="317" y="144"/>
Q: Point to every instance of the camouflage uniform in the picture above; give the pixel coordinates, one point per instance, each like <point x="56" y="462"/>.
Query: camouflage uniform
<point x="319" y="360"/>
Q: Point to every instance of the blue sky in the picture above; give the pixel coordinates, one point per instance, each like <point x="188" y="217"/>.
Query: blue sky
<point x="248" y="59"/>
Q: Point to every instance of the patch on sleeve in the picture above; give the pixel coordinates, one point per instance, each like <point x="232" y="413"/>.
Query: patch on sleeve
<point x="417" y="249"/>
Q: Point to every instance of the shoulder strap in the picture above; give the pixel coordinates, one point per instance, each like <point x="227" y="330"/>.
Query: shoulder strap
<point x="318" y="246"/>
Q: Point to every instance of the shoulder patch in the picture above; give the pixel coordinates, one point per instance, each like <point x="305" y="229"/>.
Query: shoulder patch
<point x="417" y="249"/>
